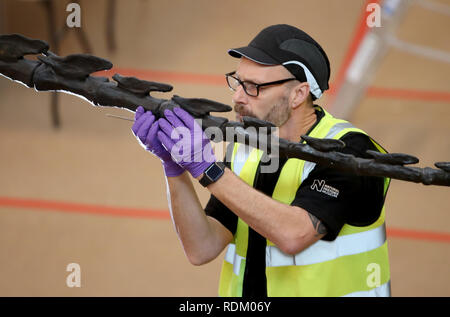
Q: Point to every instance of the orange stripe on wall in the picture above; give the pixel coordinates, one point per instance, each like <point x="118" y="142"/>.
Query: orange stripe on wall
<point x="38" y="204"/>
<point x="418" y="235"/>
<point x="408" y="94"/>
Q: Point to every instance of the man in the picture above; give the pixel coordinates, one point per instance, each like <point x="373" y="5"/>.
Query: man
<point x="304" y="230"/>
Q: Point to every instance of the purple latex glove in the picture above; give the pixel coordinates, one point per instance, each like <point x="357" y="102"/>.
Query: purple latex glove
<point x="186" y="142"/>
<point x="145" y="129"/>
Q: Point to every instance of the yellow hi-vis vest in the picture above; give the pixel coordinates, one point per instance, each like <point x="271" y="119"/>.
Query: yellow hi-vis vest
<point x="354" y="264"/>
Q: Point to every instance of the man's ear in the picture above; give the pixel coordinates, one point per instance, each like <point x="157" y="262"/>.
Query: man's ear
<point x="299" y="95"/>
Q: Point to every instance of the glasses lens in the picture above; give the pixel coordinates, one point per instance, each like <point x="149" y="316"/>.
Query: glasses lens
<point x="233" y="83"/>
<point x="251" y="89"/>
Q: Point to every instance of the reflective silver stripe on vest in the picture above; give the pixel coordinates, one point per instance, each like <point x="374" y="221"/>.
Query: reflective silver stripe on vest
<point x="242" y="154"/>
<point x="380" y="291"/>
<point x="338" y="127"/>
<point x="307" y="168"/>
<point x="233" y="258"/>
<point x="322" y="251"/>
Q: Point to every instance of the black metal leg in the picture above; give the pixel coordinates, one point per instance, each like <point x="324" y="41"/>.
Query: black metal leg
<point x="54" y="43"/>
<point x="54" y="110"/>
<point x="110" y="23"/>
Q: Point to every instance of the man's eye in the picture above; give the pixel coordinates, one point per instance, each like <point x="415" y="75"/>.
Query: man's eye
<point x="250" y="86"/>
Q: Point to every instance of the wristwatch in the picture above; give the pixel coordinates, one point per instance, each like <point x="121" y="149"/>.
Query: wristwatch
<point x="212" y="173"/>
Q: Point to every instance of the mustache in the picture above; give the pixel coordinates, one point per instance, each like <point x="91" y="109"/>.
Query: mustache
<point x="241" y="111"/>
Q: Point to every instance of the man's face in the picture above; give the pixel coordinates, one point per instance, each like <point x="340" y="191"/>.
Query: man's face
<point x="272" y="103"/>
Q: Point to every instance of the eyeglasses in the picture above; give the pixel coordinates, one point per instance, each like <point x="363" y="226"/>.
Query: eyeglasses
<point x="250" y="88"/>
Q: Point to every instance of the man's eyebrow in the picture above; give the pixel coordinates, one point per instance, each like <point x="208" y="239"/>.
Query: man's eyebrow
<point x="246" y="80"/>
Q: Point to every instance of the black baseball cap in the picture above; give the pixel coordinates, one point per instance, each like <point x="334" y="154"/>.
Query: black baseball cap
<point x="291" y="47"/>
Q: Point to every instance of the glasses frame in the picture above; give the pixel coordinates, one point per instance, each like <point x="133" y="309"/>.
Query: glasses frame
<point x="276" y="82"/>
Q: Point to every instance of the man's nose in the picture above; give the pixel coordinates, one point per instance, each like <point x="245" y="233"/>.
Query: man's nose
<point x="239" y="95"/>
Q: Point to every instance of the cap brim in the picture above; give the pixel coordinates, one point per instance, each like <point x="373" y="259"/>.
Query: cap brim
<point x="253" y="54"/>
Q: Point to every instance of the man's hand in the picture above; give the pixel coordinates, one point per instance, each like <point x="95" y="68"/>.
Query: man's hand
<point x="145" y="129"/>
<point x="186" y="142"/>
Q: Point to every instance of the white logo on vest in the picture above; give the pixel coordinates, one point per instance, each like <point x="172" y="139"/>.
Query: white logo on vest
<point x="321" y="187"/>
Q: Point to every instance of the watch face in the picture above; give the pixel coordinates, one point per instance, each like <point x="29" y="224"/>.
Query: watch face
<point x="214" y="171"/>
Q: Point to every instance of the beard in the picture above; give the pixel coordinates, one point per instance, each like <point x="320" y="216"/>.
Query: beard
<point x="279" y="113"/>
